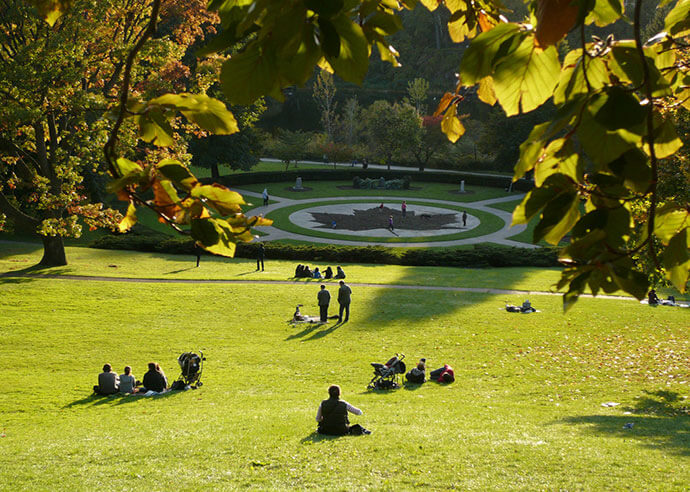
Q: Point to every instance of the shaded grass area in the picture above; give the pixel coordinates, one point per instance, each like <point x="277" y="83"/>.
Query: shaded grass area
<point x="524" y="413"/>
<point x="489" y="224"/>
<point x="18" y="257"/>
<point x="323" y="189"/>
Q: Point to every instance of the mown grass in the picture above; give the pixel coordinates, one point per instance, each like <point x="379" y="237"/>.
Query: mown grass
<point x="524" y="414"/>
<point x="488" y="224"/>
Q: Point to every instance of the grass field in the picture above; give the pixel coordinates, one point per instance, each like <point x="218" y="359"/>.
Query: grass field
<point x="525" y="412"/>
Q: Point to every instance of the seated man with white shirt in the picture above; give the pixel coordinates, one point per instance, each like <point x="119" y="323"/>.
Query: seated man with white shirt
<point x="332" y="416"/>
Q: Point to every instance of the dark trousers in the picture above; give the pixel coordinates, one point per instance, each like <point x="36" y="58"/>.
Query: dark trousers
<point x="346" y="308"/>
<point x="260" y="261"/>
<point x="324" y="313"/>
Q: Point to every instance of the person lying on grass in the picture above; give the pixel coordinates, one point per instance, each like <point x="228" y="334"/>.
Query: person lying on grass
<point x="332" y="416"/>
<point x="443" y="374"/>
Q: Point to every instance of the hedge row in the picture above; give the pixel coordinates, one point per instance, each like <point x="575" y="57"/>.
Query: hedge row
<point x="240" y="179"/>
<point x="481" y="255"/>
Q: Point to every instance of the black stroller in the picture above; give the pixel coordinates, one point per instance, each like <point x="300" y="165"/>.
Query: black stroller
<point x="386" y="375"/>
<point x="191" y="366"/>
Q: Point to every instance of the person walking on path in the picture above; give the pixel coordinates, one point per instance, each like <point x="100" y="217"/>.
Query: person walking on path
<point x="403" y="207"/>
<point x="390" y="223"/>
<point x="265" y="196"/>
<point x="464" y="218"/>
<point x="344" y="296"/>
<point x="260" y="257"/>
<point x="324" y="299"/>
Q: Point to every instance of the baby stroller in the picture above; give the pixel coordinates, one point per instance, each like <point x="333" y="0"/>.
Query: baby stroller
<point x="386" y="375"/>
<point x="191" y="366"/>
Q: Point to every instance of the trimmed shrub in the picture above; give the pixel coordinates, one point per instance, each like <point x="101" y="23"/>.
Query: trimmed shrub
<point x="482" y="255"/>
<point x="348" y="174"/>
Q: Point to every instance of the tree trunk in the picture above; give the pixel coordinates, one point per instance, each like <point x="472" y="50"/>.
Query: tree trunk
<point x="53" y="251"/>
<point x="215" y="174"/>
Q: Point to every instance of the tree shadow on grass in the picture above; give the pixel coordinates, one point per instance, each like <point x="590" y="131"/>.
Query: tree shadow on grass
<point x="34" y="269"/>
<point x="180" y="270"/>
<point x="660" y="420"/>
<point x="5" y="279"/>
<point x="315" y="326"/>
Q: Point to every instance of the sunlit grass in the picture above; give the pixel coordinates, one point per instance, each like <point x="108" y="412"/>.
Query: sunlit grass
<point x="525" y="411"/>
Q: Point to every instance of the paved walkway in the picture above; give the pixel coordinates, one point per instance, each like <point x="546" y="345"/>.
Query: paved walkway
<point x="499" y="237"/>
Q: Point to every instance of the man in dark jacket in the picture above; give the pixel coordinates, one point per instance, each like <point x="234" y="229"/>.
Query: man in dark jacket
<point x="153" y="379"/>
<point x="324" y="299"/>
<point x="344" y="293"/>
<point x="332" y="415"/>
<point x="260" y="257"/>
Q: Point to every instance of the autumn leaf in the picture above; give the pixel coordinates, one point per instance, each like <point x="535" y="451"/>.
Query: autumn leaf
<point x="554" y="19"/>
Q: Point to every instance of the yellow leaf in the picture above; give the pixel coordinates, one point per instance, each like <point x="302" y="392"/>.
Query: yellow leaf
<point x="486" y="91"/>
<point x="129" y="219"/>
<point x="451" y="126"/>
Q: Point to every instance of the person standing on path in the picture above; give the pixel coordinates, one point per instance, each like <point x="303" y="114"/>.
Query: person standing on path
<point x="403" y="207"/>
<point x="390" y="223"/>
<point x="344" y="296"/>
<point x="324" y="299"/>
<point x="464" y="218"/>
<point x="260" y="257"/>
<point x="265" y="196"/>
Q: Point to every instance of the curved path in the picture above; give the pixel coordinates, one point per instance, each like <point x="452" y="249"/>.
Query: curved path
<point x="499" y="237"/>
<point x="293" y="282"/>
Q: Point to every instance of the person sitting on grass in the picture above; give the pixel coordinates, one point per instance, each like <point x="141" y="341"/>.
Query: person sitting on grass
<point x="317" y="273"/>
<point x="328" y="273"/>
<point x="443" y="374"/>
<point x="306" y="272"/>
<point x="652" y="298"/>
<point x="299" y="270"/>
<point x="154" y="380"/>
<point x="332" y="416"/>
<point x="128" y="383"/>
<point x="108" y="382"/>
<point x="339" y="272"/>
<point x="418" y="374"/>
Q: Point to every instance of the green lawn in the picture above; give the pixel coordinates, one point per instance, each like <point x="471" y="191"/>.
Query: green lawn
<point x="327" y="189"/>
<point x="524" y="414"/>
<point x="489" y="224"/>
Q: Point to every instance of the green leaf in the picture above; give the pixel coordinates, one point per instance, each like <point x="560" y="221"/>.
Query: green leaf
<point x="214" y="235"/>
<point x="631" y="281"/>
<point x="559" y="157"/>
<point x="558" y="217"/>
<point x="330" y="41"/>
<point x="620" y="109"/>
<point x="670" y="220"/>
<point x="249" y="75"/>
<point x="325" y="8"/>
<point x="207" y="112"/>
<point x="176" y="172"/>
<point x="666" y="140"/>
<point x="155" y="128"/>
<point x="678" y="19"/>
<point x="634" y="168"/>
<point x="624" y="62"/>
<point x="601" y="145"/>
<point x="572" y="82"/>
<point x="479" y="58"/>
<point x="352" y="62"/>
<point x="606" y="12"/>
<point x="51" y="10"/>
<point x="225" y="201"/>
<point x="129" y="173"/>
<point x="677" y="260"/>
<point x="576" y="288"/>
<point x="524" y="80"/>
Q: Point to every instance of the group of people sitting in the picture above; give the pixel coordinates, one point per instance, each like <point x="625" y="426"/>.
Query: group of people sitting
<point x="417" y="374"/>
<point x="109" y="383"/>
<point x="303" y="271"/>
